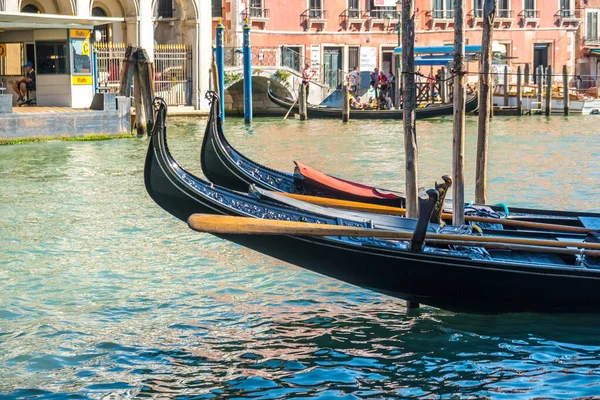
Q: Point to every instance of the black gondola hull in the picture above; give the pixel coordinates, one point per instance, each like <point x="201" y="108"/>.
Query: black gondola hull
<point x="444" y="279"/>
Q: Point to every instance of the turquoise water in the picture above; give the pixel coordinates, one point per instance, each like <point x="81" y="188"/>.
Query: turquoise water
<point x="102" y="293"/>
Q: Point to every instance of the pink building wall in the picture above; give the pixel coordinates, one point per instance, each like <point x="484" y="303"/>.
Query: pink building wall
<point x="284" y="26"/>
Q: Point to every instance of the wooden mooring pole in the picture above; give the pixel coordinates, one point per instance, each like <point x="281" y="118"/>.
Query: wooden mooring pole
<point x="458" y="131"/>
<point x="345" y="103"/>
<point x="485" y="102"/>
<point x="527" y="74"/>
<point x="519" y="93"/>
<point x="565" y="90"/>
<point x="548" y="90"/>
<point x="540" y="89"/>
<point x="505" y="87"/>
<point x="443" y="86"/>
<point x="409" y="103"/>
<point x="302" y="102"/>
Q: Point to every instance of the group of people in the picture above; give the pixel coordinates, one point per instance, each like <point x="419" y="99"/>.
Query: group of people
<point x="380" y="93"/>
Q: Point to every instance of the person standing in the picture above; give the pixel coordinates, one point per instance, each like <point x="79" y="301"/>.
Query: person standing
<point x="354" y="79"/>
<point x="307" y="74"/>
<point x="374" y="79"/>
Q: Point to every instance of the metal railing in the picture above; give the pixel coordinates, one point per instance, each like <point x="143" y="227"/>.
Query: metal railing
<point x="530" y="13"/>
<point x="256" y="12"/>
<point x="393" y="15"/>
<point x="313" y="13"/>
<point x="500" y="13"/>
<point x="172" y="76"/>
<point x="353" y="13"/>
<point x="568" y="13"/>
<point x="442" y="14"/>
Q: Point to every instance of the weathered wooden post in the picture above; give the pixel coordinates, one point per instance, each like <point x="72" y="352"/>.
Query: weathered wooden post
<point x="345" y="103"/>
<point x="127" y="71"/>
<point x="548" y="90"/>
<point x="505" y="85"/>
<point x="145" y="80"/>
<point x="443" y="86"/>
<point x="485" y="101"/>
<point x="409" y="101"/>
<point x="519" y="92"/>
<point x="565" y="90"/>
<point x="540" y="89"/>
<point x="527" y="74"/>
<point x="302" y="102"/>
<point x="458" y="131"/>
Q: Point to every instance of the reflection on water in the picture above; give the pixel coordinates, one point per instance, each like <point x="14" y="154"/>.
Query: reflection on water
<point x="101" y="292"/>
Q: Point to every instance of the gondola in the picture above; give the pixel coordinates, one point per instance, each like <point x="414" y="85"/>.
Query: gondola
<point x="429" y="111"/>
<point x="223" y="165"/>
<point x="461" y="279"/>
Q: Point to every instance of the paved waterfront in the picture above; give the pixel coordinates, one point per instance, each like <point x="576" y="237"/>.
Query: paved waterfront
<point x="102" y="292"/>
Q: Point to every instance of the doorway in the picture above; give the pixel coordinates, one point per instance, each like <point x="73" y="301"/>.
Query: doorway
<point x="540" y="57"/>
<point x="332" y="66"/>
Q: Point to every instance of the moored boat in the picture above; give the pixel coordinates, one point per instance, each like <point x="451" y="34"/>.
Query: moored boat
<point x="429" y="111"/>
<point x="453" y="277"/>
<point x="223" y="165"/>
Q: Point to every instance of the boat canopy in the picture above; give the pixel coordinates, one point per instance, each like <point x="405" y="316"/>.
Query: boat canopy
<point x="440" y="60"/>
<point x="473" y="48"/>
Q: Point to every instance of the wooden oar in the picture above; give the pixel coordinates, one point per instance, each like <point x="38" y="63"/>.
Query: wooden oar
<point x="224" y="224"/>
<point x="378" y="209"/>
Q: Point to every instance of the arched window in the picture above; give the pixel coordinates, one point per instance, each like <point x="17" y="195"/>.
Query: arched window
<point x="30" y="8"/>
<point x="103" y="29"/>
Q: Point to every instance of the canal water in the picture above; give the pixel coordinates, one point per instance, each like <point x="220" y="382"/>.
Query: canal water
<point x="103" y="294"/>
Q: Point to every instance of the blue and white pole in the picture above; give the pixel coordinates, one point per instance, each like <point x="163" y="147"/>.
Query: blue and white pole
<point x="247" y="75"/>
<point x="221" y="67"/>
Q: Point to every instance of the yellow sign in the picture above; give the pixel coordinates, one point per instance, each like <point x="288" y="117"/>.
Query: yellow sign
<point x="2" y="50"/>
<point x="83" y="80"/>
<point x="85" y="48"/>
<point x="81" y="33"/>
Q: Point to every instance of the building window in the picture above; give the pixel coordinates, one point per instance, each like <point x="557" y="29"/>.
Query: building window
<point x="529" y="11"/>
<point x="51" y="57"/>
<point x="165" y="8"/>
<point x="217" y="8"/>
<point x="290" y="57"/>
<point x="478" y="8"/>
<point x="380" y="12"/>
<point x="503" y="10"/>
<point x="592" y="25"/>
<point x="12" y="62"/>
<point x="30" y="8"/>
<point x="353" y="9"/>
<point x="565" y="8"/>
<point x="256" y="8"/>
<point x="103" y="29"/>
<point x="443" y="9"/>
<point x="316" y="9"/>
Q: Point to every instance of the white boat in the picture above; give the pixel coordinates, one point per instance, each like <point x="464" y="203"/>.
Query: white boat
<point x="579" y="103"/>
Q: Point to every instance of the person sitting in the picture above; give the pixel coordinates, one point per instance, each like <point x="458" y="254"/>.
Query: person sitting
<point x="21" y="86"/>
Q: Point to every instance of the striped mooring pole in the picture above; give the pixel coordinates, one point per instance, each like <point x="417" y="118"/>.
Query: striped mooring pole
<point x="247" y="75"/>
<point x="221" y="67"/>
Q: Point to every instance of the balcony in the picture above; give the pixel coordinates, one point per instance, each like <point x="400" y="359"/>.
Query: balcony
<point x="530" y="16"/>
<point x="353" y="16"/>
<point x="441" y="18"/>
<point x="314" y="16"/>
<point x="503" y="17"/>
<point x="257" y="15"/>
<point x="568" y="17"/>
<point x="385" y="18"/>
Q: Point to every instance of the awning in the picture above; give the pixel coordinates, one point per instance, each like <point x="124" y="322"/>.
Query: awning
<point x="51" y="21"/>
<point x="433" y="61"/>
<point x="595" y="52"/>
<point x="473" y="48"/>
